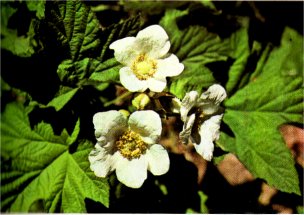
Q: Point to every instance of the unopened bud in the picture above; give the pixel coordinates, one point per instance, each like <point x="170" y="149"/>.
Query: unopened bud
<point x="125" y="113"/>
<point x="141" y="101"/>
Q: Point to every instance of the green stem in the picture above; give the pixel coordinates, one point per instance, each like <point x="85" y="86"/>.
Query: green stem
<point x="119" y="98"/>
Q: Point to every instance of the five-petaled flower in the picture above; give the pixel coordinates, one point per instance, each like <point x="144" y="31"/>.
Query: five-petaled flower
<point x="129" y="146"/>
<point x="201" y="126"/>
<point x="146" y="60"/>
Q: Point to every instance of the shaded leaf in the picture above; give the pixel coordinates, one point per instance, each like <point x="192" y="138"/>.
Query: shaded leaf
<point x="75" y="27"/>
<point x="20" y="45"/>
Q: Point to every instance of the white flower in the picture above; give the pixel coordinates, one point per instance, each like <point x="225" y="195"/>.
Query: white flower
<point x="128" y="146"/>
<point x="202" y="126"/>
<point x="146" y="60"/>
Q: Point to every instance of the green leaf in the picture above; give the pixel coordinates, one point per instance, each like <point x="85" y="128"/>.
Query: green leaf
<point x="38" y="6"/>
<point x="38" y="171"/>
<point x="87" y="71"/>
<point x="193" y="44"/>
<point x="150" y="7"/>
<point x="195" y="47"/>
<point x="126" y="28"/>
<point x="194" y="77"/>
<point x="239" y="42"/>
<point x="71" y="139"/>
<point x="203" y="207"/>
<point x="107" y="71"/>
<point x="75" y="26"/>
<point x="60" y="101"/>
<point x="273" y="96"/>
<point x="20" y="45"/>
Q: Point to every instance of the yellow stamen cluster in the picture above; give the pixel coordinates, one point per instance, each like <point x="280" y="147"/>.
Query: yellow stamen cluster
<point x="143" y="67"/>
<point x="130" y="145"/>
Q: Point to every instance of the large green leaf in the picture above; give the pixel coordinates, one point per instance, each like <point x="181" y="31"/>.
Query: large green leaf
<point x="38" y="170"/>
<point x="75" y="27"/>
<point x="239" y="42"/>
<point x="273" y="96"/>
<point x="80" y="30"/>
<point x="195" y="47"/>
<point x="193" y="44"/>
<point x="150" y="7"/>
<point x="107" y="71"/>
<point x="88" y="69"/>
<point x="194" y="77"/>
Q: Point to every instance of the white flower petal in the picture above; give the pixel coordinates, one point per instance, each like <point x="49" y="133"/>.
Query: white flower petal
<point x="188" y="102"/>
<point x="209" y="101"/>
<point x="130" y="81"/>
<point x="153" y="41"/>
<point x="169" y="67"/>
<point x="209" y="132"/>
<point x="205" y="150"/>
<point x="108" y="126"/>
<point x="100" y="161"/>
<point x="216" y="93"/>
<point x="157" y="84"/>
<point x="158" y="159"/>
<point x="124" y="50"/>
<point x="187" y="128"/>
<point x="133" y="172"/>
<point x="147" y="124"/>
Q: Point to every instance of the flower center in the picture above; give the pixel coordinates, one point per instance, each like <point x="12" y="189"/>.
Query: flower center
<point x="130" y="145"/>
<point x="143" y="67"/>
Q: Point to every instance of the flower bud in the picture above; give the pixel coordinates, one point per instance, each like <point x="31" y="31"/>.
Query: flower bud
<point x="125" y="113"/>
<point x="141" y="101"/>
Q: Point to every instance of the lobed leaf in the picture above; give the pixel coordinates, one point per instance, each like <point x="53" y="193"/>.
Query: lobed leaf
<point x="75" y="27"/>
<point x="40" y="172"/>
<point x="273" y="96"/>
<point x="195" y="47"/>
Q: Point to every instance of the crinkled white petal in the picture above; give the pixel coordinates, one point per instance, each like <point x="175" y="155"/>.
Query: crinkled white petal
<point x="216" y="93"/>
<point x="108" y="126"/>
<point x="157" y="84"/>
<point x="209" y="101"/>
<point x="147" y="124"/>
<point x="124" y="50"/>
<point x="209" y="132"/>
<point x="187" y="128"/>
<point x="130" y="81"/>
<point x="153" y="41"/>
<point x="169" y="67"/>
<point x="100" y="161"/>
<point x="188" y="102"/>
<point x="158" y="159"/>
<point x="133" y="172"/>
